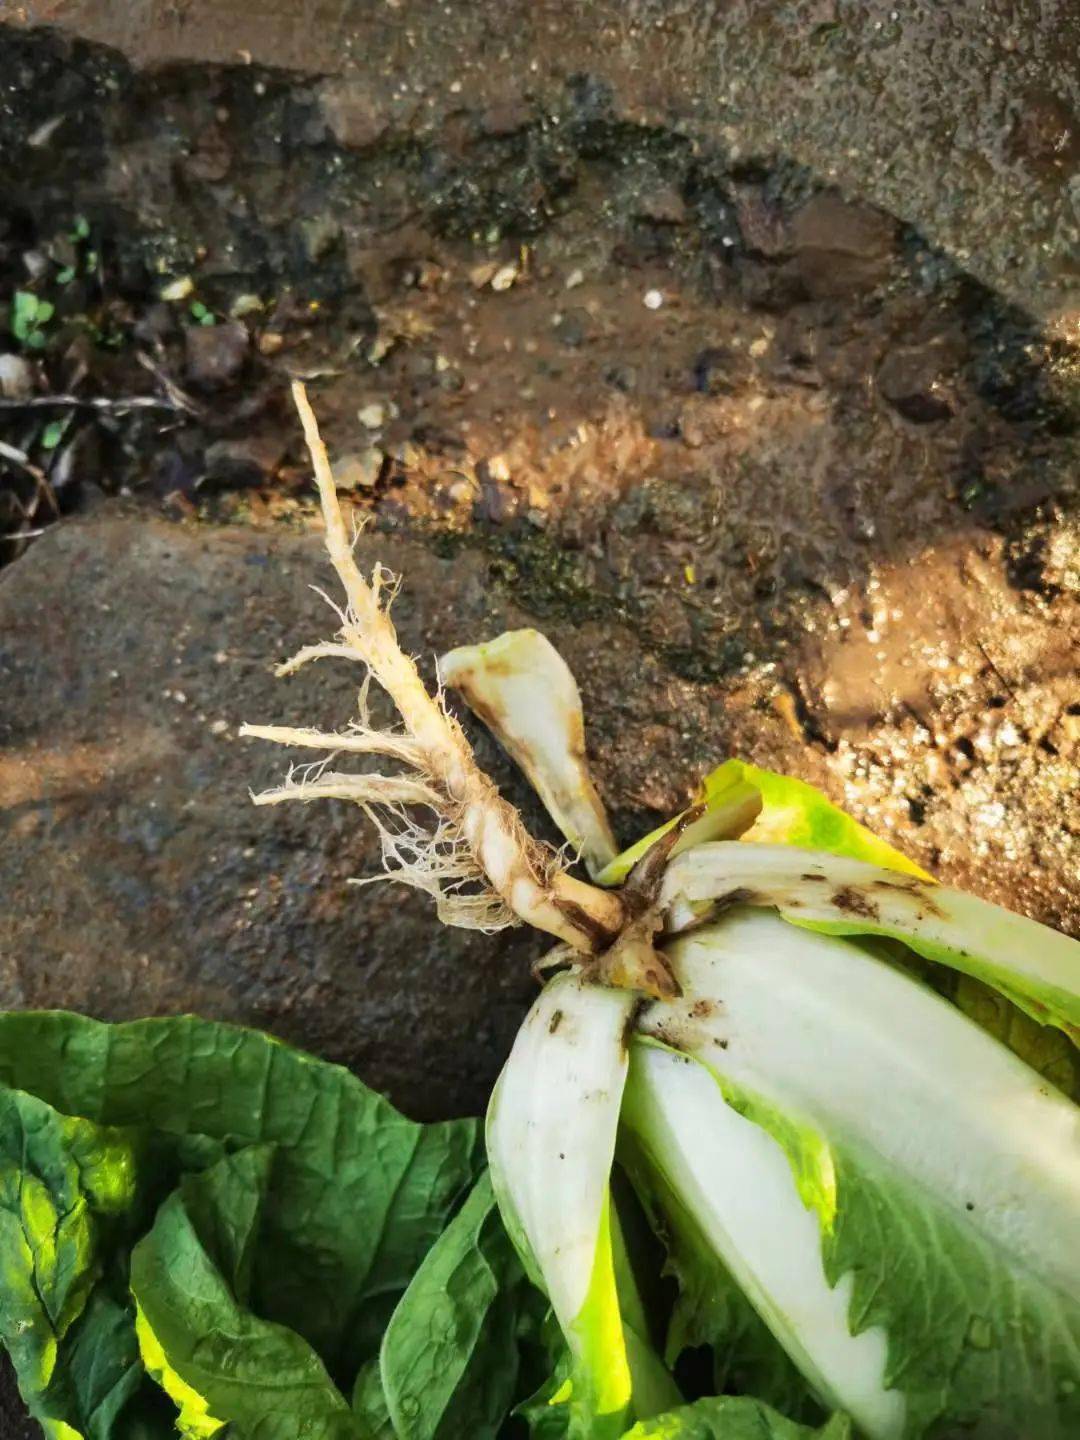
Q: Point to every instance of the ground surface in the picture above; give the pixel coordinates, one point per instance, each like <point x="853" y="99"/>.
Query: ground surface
<point x="600" y="346"/>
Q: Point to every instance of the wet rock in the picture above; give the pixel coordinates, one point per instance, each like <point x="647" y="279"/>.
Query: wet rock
<point x="952" y="117"/>
<point x="215" y="354"/>
<point x="138" y="878"/>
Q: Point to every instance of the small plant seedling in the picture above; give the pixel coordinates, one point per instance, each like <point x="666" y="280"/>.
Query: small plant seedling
<point x="202" y="313"/>
<point x="29" y="316"/>
<point x="54" y="432"/>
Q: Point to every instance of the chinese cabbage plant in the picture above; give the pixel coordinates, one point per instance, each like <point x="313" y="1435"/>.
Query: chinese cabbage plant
<point x="787" y="1147"/>
<point x="867" y="1200"/>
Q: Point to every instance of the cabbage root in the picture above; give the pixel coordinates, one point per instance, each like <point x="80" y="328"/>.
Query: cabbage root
<point x="474" y="856"/>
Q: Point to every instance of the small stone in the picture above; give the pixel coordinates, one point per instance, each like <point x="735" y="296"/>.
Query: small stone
<point x="237" y="464"/>
<point x="504" y="277"/>
<point x="840" y="247"/>
<point x="653" y="299"/>
<point x="481" y="275"/>
<point x="372" y="416"/>
<point x="712" y="371"/>
<point x="37" y="264"/>
<point x="574" y="279"/>
<point x="16" y="377"/>
<point x="211" y="158"/>
<point x="381" y="347"/>
<point x="359" y="470"/>
<point x="572" y="328"/>
<point x="910" y="378"/>
<point x="505" y="118"/>
<point x="320" y="234"/>
<point x="178" y="289"/>
<point x="496" y="502"/>
<point x="215" y="354"/>
<point x="271" y="342"/>
<point x="760" y="222"/>
<point x="498" y="468"/>
<point x="245" y="305"/>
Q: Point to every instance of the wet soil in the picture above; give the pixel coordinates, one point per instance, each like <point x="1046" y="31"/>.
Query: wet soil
<point x="647" y="383"/>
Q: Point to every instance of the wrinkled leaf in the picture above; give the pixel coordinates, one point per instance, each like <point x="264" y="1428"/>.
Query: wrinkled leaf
<point x="67" y="1188"/>
<point x="220" y="1363"/>
<point x="449" y="1360"/>
<point x="358" y="1193"/>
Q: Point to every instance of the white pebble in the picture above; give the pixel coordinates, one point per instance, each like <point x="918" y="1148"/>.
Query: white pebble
<point x="372" y="416"/>
<point x="504" y="277"/>
<point x="574" y="279"/>
<point x="178" y="289"/>
<point x="653" y="299"/>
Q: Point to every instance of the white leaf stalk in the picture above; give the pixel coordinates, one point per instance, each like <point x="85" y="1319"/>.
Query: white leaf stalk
<point x="472" y="855"/>
<point x="737" y="1183"/>
<point x="523" y="690"/>
<point x="872" y="1054"/>
<point x="551" y="1131"/>
<point x="1037" y="968"/>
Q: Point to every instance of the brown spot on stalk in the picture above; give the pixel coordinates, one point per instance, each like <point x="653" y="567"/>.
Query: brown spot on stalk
<point x="856" y="902"/>
<point x="918" y="889"/>
<point x="555" y="1021"/>
<point x="741" y="895"/>
<point x="599" y="935"/>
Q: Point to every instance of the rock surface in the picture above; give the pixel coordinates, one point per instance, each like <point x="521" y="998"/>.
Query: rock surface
<point x="963" y="120"/>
